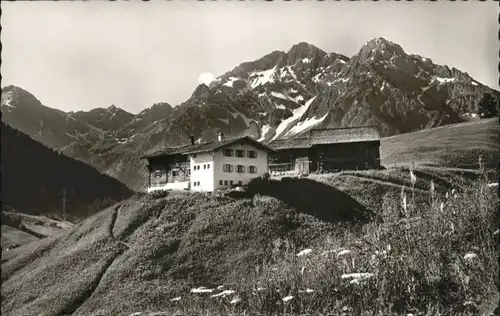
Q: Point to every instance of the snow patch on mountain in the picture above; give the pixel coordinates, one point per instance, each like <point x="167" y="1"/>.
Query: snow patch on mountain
<point x="343" y="80"/>
<point x="243" y="116"/>
<point x="298" y="98"/>
<point x="305" y="125"/>
<point x="263" y="132"/>
<point x="230" y="82"/>
<point x="444" y="80"/>
<point x="262" y="77"/>
<point x="296" y="115"/>
<point x="279" y="95"/>
<point x="7" y="99"/>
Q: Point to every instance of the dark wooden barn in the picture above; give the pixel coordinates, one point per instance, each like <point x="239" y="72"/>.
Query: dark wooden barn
<point x="327" y="150"/>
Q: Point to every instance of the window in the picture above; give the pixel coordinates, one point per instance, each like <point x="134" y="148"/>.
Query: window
<point x="227" y="168"/>
<point x="252" y="154"/>
<point x="231" y="182"/>
<point x="227" y="152"/>
<point x="240" y="169"/>
<point x="188" y="172"/>
<point x="175" y="173"/>
<point x="240" y="182"/>
<point x="208" y="166"/>
<point x="225" y="182"/>
<point x="221" y="182"/>
<point x="204" y="166"/>
<point x="240" y="153"/>
<point x="252" y="169"/>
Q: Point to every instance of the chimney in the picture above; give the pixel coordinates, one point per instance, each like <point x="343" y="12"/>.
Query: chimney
<point x="220" y="136"/>
<point x="191" y="140"/>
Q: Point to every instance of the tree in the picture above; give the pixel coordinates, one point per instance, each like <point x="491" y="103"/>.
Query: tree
<point x="488" y="106"/>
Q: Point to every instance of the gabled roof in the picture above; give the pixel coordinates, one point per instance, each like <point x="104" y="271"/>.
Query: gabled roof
<point x="344" y="135"/>
<point x="205" y="147"/>
<point x="290" y="143"/>
<point x="328" y="136"/>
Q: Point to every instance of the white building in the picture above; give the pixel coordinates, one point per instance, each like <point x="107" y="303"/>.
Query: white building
<point x="209" y="166"/>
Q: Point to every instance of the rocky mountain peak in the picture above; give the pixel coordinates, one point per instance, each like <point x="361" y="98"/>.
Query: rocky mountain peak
<point x="268" y="61"/>
<point x="302" y="51"/>
<point x="12" y="94"/>
<point x="379" y="48"/>
<point x="201" y="90"/>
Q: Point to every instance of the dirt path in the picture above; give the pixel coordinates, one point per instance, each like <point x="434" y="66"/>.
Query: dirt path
<point x="84" y="297"/>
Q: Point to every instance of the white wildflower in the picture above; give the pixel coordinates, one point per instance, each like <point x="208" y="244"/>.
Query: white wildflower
<point x="343" y="252"/>
<point x="496" y="232"/>
<point x="493" y="185"/>
<point x="175" y="299"/>
<point x="413" y="178"/>
<point x="223" y="293"/>
<point x="405" y="205"/>
<point x="377" y="253"/>
<point x="220" y="287"/>
<point x="235" y="300"/>
<point x="287" y="298"/>
<point x="446" y="195"/>
<point x="302" y="270"/>
<point x="356" y="277"/>
<point x="304" y="252"/>
<point x="259" y="289"/>
<point x="202" y="289"/>
<point x="308" y="290"/>
<point x="442" y="207"/>
<point x="470" y="256"/>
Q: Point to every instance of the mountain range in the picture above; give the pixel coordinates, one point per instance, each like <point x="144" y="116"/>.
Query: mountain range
<point x="281" y="95"/>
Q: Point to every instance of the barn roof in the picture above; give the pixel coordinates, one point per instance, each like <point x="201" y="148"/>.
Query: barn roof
<point x="328" y="136"/>
<point x="344" y="135"/>
<point x="204" y="147"/>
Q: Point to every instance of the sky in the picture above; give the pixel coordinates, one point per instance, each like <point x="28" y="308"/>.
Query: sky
<point x="82" y="55"/>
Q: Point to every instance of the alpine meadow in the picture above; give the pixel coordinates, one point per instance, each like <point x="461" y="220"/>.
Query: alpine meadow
<point x="350" y="167"/>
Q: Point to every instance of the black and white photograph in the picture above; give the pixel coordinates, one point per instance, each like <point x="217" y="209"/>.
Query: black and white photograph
<point x="272" y="158"/>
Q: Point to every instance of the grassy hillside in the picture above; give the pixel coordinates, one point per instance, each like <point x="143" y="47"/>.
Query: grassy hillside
<point x="33" y="178"/>
<point x="456" y="145"/>
<point x="19" y="229"/>
<point x="148" y="253"/>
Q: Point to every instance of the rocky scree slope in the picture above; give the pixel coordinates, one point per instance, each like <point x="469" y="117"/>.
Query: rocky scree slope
<point x="280" y="95"/>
